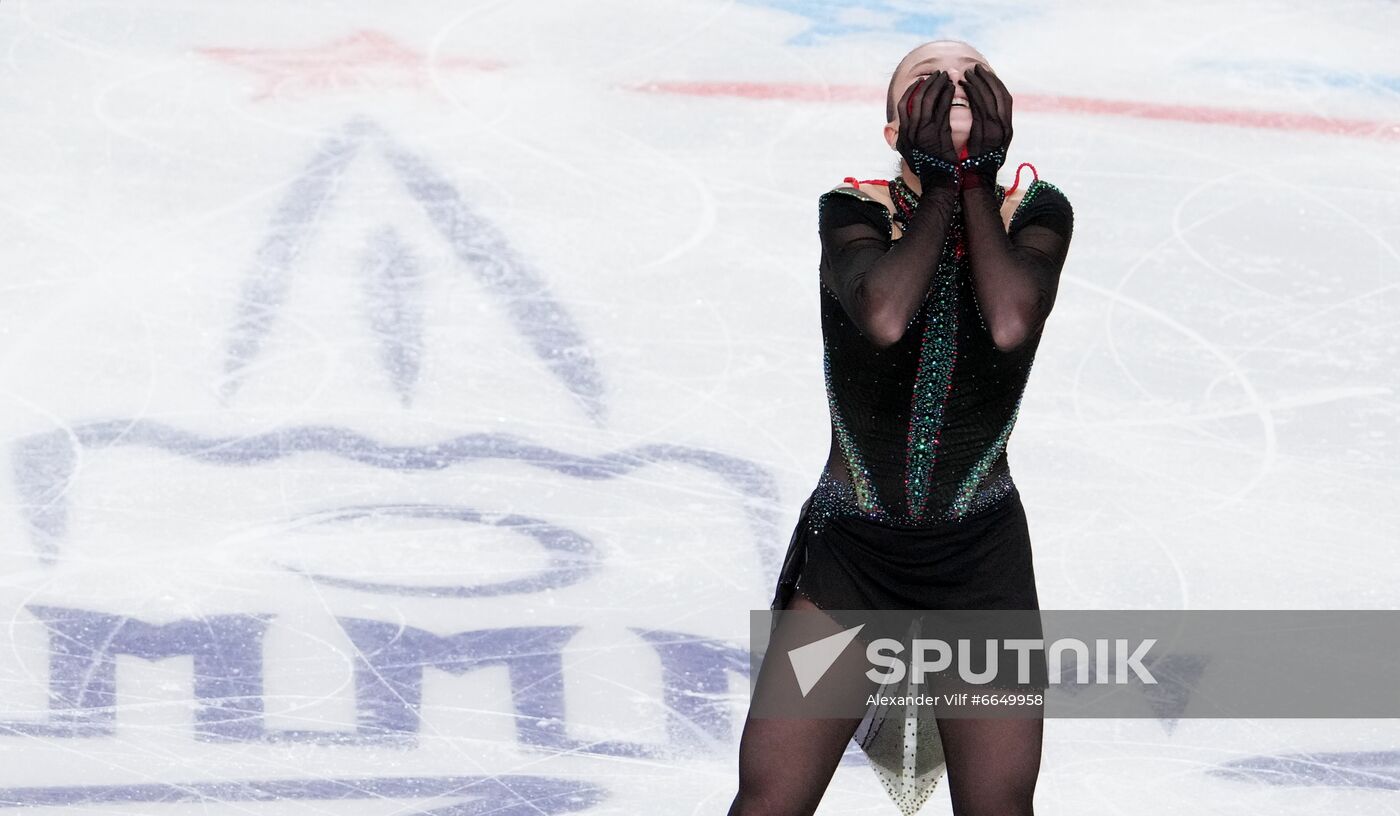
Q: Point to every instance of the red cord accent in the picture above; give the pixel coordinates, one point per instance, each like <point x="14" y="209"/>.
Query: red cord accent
<point x="853" y="181"/>
<point x="1017" y="182"/>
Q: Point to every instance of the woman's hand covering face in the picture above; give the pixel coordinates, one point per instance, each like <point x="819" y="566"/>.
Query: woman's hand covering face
<point x="991" y="111"/>
<point x="925" y="134"/>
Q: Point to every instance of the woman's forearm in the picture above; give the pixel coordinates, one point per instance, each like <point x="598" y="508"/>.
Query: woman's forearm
<point x="1010" y="294"/>
<point x="897" y="282"/>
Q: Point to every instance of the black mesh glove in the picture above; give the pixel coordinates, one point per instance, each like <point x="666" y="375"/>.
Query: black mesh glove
<point x="990" y="136"/>
<point x="925" y="137"/>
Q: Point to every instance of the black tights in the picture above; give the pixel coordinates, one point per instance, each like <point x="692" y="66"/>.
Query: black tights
<point x="785" y="765"/>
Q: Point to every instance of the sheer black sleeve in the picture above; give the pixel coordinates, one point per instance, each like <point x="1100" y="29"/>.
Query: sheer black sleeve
<point x="1016" y="271"/>
<point x="1049" y="209"/>
<point x="880" y="282"/>
<point x="852" y="230"/>
<point x="855" y="232"/>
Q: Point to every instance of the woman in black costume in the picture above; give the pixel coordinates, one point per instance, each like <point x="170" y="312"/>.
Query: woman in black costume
<point x="935" y="287"/>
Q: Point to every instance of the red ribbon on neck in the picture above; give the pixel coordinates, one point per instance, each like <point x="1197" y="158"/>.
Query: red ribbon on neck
<point x="1017" y="182"/>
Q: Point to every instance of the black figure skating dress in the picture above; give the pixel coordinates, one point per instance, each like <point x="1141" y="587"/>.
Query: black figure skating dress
<point x="916" y="507"/>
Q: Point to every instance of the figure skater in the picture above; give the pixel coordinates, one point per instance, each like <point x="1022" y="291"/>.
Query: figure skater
<point x="935" y="287"/>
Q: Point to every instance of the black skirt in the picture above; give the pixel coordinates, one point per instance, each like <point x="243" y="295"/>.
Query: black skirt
<point x="982" y="561"/>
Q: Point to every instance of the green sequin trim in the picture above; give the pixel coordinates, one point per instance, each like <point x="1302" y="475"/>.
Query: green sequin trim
<point x="862" y="196"/>
<point x="968" y="488"/>
<point x="863" y="485"/>
<point x="1035" y="187"/>
<point x="932" y="382"/>
<point x="855" y="465"/>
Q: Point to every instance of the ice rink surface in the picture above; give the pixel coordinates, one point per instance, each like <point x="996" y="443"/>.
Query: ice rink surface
<point x="405" y="404"/>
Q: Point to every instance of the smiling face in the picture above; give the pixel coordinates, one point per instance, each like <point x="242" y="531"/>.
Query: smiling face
<point x="952" y="56"/>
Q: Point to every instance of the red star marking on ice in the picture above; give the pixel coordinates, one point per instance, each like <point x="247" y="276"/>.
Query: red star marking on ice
<point x="364" y="59"/>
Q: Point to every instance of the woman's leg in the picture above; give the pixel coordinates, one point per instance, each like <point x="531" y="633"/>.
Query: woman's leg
<point x="992" y="764"/>
<point x="785" y="765"/>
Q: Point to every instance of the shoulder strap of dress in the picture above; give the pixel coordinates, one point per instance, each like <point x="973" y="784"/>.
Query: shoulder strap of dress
<point x="854" y="189"/>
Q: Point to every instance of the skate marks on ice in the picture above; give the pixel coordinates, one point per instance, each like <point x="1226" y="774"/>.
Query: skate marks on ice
<point x="86" y="647"/>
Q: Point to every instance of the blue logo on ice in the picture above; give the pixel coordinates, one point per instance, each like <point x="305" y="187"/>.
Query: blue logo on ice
<point x="88" y="651"/>
<point x="834" y="19"/>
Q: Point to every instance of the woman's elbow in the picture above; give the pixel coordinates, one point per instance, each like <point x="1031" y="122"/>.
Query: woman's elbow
<point x="1009" y="334"/>
<point x="877" y="319"/>
<point x="882" y="338"/>
<point x="884" y="330"/>
<point x="1007" y="337"/>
